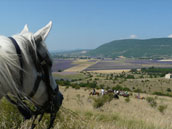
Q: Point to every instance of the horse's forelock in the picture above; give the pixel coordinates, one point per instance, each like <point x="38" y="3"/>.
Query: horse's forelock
<point x="28" y="46"/>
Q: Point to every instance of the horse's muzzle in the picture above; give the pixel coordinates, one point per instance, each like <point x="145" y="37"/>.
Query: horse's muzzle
<point x="60" y="98"/>
<point x="56" y="99"/>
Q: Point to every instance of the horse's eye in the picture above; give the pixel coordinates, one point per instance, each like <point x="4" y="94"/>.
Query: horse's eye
<point x="51" y="63"/>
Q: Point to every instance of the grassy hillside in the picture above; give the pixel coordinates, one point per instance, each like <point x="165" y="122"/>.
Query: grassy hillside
<point x="78" y="112"/>
<point x="149" y="48"/>
<point x="83" y="111"/>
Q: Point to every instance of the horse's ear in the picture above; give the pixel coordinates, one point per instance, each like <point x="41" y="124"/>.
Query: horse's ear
<point x="43" y="32"/>
<point x="25" y="29"/>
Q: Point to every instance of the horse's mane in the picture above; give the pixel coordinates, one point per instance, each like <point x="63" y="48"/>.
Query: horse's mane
<point x="9" y="62"/>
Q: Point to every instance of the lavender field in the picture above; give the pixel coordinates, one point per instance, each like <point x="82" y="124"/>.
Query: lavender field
<point x="62" y="64"/>
<point x="128" y="64"/>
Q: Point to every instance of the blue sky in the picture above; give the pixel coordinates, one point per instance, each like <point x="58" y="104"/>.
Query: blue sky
<point x="87" y="24"/>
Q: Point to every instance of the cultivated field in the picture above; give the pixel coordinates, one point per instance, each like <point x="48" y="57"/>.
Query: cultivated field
<point x="62" y="64"/>
<point x="128" y="64"/>
<point x="111" y="71"/>
<point x="78" y="65"/>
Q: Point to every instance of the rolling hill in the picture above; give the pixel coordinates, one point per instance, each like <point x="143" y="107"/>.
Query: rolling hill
<point x="135" y="48"/>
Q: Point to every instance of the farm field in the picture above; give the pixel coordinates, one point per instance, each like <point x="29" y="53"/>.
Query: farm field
<point x="78" y="65"/>
<point x="81" y="65"/>
<point x="71" y="65"/>
<point x="128" y="64"/>
<point x="62" y="64"/>
<point x="111" y="71"/>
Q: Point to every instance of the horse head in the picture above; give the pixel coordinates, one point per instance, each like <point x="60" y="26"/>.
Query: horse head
<point x="35" y="80"/>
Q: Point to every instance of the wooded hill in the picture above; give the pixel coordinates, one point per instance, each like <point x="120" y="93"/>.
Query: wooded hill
<point x="135" y="48"/>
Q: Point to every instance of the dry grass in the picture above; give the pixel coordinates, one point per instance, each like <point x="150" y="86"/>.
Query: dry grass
<point x="136" y="114"/>
<point x="81" y="65"/>
<point x="111" y="71"/>
<point x="77" y="112"/>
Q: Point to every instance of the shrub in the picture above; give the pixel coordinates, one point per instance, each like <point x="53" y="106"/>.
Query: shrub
<point x="130" y="76"/>
<point x="126" y="89"/>
<point x="59" y="70"/>
<point x="138" y="90"/>
<point x="63" y="82"/>
<point x="83" y="84"/>
<point x="118" y="87"/>
<point x="109" y="97"/>
<point x="151" y="101"/>
<point x="133" y="70"/>
<point x="101" y="86"/>
<point x="88" y="114"/>
<point x="76" y="87"/>
<point x="127" y="100"/>
<point x="141" y="76"/>
<point x="99" y="102"/>
<point x="66" y="88"/>
<point x="92" y="85"/>
<point x="162" y="94"/>
<point x="168" y="90"/>
<point x="96" y="79"/>
<point x="162" y="108"/>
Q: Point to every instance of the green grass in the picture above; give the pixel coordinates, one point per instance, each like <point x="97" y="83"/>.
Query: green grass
<point x="100" y="101"/>
<point x="77" y="76"/>
<point x="10" y="117"/>
<point x="162" y="108"/>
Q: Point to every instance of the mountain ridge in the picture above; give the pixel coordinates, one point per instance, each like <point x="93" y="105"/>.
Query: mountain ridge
<point x="135" y="48"/>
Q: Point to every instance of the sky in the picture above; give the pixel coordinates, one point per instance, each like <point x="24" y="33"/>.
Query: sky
<point x="87" y="24"/>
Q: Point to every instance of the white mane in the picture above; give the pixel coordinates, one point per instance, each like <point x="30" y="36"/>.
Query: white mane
<point x="9" y="62"/>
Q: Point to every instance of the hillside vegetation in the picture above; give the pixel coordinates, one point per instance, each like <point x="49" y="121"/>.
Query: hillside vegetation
<point x="148" y="48"/>
<point x="80" y="110"/>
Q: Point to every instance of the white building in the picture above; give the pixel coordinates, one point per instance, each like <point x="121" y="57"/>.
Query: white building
<point x="168" y="76"/>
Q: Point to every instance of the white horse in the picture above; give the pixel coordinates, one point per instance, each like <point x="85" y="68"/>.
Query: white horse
<point x="25" y="73"/>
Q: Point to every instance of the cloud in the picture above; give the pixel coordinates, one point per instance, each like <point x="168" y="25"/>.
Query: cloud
<point x="170" y="36"/>
<point x="133" y="36"/>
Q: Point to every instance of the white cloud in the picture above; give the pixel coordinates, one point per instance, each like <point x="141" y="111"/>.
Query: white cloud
<point x="133" y="36"/>
<point x="170" y="36"/>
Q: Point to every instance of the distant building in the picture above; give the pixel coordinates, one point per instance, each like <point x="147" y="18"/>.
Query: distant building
<point x="168" y="76"/>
